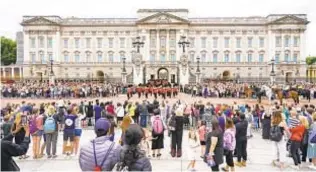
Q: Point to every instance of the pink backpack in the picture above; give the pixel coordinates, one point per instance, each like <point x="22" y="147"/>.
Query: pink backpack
<point x="158" y="125"/>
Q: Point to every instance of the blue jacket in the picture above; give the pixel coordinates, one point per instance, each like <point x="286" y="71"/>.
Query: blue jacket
<point x="102" y="144"/>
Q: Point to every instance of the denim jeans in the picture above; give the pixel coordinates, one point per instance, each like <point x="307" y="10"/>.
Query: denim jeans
<point x="295" y="146"/>
<point x="256" y="122"/>
<point x="143" y="121"/>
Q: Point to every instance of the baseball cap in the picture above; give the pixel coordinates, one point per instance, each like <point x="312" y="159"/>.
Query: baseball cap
<point x="102" y="124"/>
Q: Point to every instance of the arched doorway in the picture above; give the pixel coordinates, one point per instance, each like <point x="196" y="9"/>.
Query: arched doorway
<point x="163" y="73"/>
<point x="100" y="76"/>
<point x="39" y="76"/>
<point x="288" y="77"/>
<point x="226" y="74"/>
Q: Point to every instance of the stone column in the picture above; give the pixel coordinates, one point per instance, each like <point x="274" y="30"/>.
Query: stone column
<point x="158" y="46"/>
<point x="3" y="72"/>
<point x="12" y="73"/>
<point x="56" y="47"/>
<point x="20" y="73"/>
<point x="167" y="47"/>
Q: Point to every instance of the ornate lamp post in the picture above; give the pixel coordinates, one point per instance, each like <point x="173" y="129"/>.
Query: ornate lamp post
<point x="272" y="73"/>
<point x="124" y="71"/>
<point x="51" y="74"/>
<point x="138" y="43"/>
<point x="183" y="43"/>
<point x="198" y="71"/>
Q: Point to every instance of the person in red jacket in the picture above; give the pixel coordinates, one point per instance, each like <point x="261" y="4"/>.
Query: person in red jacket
<point x="297" y="133"/>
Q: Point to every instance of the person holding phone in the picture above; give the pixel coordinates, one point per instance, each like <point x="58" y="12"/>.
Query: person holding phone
<point x="20" y="120"/>
<point x="10" y="149"/>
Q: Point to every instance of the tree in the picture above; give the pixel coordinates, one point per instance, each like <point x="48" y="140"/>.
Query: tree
<point x="310" y="60"/>
<point x="8" y="51"/>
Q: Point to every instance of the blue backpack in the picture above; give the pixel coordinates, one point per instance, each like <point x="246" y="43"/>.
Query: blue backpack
<point x="49" y="125"/>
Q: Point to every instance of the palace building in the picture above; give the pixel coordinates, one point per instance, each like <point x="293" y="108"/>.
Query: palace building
<point x="219" y="47"/>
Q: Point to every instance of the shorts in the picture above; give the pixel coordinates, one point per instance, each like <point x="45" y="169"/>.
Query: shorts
<point x="69" y="135"/>
<point x="78" y="132"/>
<point x="39" y="133"/>
<point x="202" y="143"/>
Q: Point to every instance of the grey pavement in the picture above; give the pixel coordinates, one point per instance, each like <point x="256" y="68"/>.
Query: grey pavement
<point x="260" y="154"/>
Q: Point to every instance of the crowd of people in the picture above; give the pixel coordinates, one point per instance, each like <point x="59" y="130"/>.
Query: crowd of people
<point x="217" y="132"/>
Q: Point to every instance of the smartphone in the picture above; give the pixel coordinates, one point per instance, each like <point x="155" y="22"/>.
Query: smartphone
<point x="23" y="120"/>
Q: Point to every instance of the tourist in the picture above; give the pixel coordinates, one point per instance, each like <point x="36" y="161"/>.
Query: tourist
<point x="69" y="131"/>
<point x="51" y="132"/>
<point x="78" y="128"/>
<point x="97" y="110"/>
<point x="20" y="134"/>
<point x="266" y="123"/>
<point x="202" y="135"/>
<point x="119" y="111"/>
<point x="176" y="135"/>
<point x="311" y="150"/>
<point x="9" y="149"/>
<point x="157" y="133"/>
<point x="100" y="154"/>
<point x="36" y="133"/>
<point x="229" y="144"/>
<point x="214" y="145"/>
<point x="90" y="112"/>
<point x="192" y="149"/>
<point x="241" y="141"/>
<point x="132" y="157"/>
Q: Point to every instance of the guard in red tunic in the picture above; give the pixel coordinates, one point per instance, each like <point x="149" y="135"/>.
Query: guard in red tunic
<point x="163" y="92"/>
<point x="169" y="92"/>
<point x="174" y="91"/>
<point x="151" y="90"/>
<point x="146" y="90"/>
<point x="155" y="90"/>
<point x="139" y="91"/>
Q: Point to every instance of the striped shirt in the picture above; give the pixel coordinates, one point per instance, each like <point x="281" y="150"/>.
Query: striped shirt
<point x="293" y="122"/>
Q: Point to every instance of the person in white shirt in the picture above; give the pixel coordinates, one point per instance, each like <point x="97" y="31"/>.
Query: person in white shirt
<point x="119" y="113"/>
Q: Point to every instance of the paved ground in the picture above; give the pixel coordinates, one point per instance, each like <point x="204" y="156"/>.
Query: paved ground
<point x="260" y="156"/>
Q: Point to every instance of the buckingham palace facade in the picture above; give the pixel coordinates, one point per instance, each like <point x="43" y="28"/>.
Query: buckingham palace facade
<point x="219" y="47"/>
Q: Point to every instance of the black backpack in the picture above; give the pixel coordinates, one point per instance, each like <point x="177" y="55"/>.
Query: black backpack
<point x="275" y="133"/>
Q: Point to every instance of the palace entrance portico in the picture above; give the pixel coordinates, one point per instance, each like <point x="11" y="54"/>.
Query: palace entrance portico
<point x="168" y="71"/>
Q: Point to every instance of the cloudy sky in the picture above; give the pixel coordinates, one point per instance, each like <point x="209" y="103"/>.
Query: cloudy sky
<point x="11" y="11"/>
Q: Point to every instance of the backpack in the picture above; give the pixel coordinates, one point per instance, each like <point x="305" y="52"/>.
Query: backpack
<point x="99" y="167"/>
<point x="158" y="125"/>
<point x="312" y="134"/>
<point x="33" y="126"/>
<point x="49" y="125"/>
<point x="275" y="133"/>
<point x="229" y="141"/>
<point x="172" y="123"/>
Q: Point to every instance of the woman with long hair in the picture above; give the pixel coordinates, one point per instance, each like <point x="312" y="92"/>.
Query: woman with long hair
<point x="132" y="157"/>
<point x="19" y="136"/>
<point x="279" y="123"/>
<point x="36" y="134"/>
<point x="229" y="144"/>
<point x="214" y="145"/>
<point x="78" y="128"/>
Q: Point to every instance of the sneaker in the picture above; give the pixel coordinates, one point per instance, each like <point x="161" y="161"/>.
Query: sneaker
<point x="49" y="156"/>
<point x="54" y="156"/>
<point x="295" y="167"/>
<point x="238" y="164"/>
<point x="313" y="167"/>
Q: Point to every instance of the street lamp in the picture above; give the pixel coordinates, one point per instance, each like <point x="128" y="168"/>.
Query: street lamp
<point x="124" y="69"/>
<point x="272" y="73"/>
<point x="198" y="64"/>
<point x="183" y="43"/>
<point x="138" y="43"/>
<point x="51" y="67"/>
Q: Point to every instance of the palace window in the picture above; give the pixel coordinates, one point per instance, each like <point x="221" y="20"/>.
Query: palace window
<point x="203" y="57"/>
<point x="65" y="43"/>
<point x="295" y="55"/>
<point x="286" y="57"/>
<point x="238" y="57"/>
<point x="278" y="41"/>
<point x="50" y="56"/>
<point x="249" y="57"/>
<point x="66" y="58"/>
<point x="162" y="58"/>
<point x="77" y="58"/>
<point x="261" y="58"/>
<point x="122" y="42"/>
<point x="88" y="57"/>
<point x="215" y="58"/>
<point x="203" y="42"/>
<point x="111" y="57"/>
<point x="77" y="42"/>
<point x="162" y="42"/>
<point x="42" y="57"/>
<point x="249" y="42"/>
<point x="261" y="42"/>
<point x="192" y="57"/>
<point x="152" y="57"/>
<point x="88" y="42"/>
<point x="32" y="42"/>
<point x="110" y="42"/>
<point x="49" y="42"/>
<point x="215" y="40"/>
<point x="226" y="43"/>
<point x="172" y="42"/>
<point x="296" y="41"/>
<point x="238" y="42"/>
<point x="33" y="57"/>
<point x="277" y="58"/>
<point x="152" y="43"/>
<point x="41" y="42"/>
<point x="287" y="41"/>
<point x="226" y="57"/>
<point x="100" y="57"/>
<point x="99" y="40"/>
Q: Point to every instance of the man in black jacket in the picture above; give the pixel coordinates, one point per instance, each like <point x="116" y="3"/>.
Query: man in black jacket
<point x="241" y="140"/>
<point x="9" y="149"/>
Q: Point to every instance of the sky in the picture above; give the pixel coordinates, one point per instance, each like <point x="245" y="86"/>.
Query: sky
<point x="11" y="11"/>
